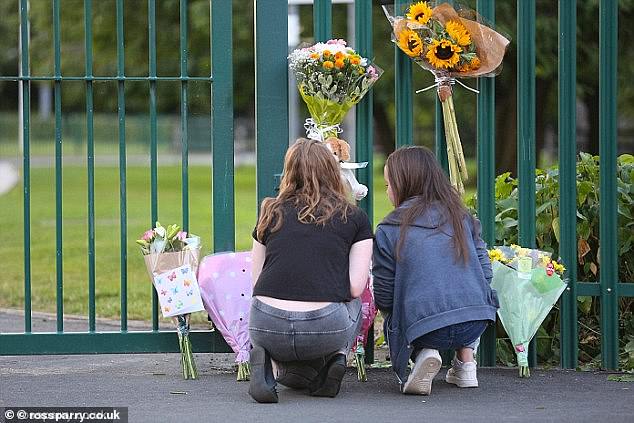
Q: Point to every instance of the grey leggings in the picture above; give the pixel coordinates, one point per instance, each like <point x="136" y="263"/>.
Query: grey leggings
<point x="304" y="335"/>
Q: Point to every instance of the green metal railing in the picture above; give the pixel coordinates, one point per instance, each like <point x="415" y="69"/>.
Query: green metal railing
<point x="271" y="143"/>
<point x="609" y="289"/>
<point x="221" y="143"/>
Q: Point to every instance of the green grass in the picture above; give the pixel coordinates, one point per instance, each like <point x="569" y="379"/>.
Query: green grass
<point x="107" y="233"/>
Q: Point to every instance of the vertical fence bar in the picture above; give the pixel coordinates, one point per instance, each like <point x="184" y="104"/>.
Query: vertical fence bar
<point x="222" y="136"/>
<point x="123" y="222"/>
<point x="440" y="143"/>
<point x="363" y="110"/>
<point x="608" y="255"/>
<point x="322" y="19"/>
<point x="90" y="163"/>
<point x="271" y="87"/>
<point x="59" y="246"/>
<point x="403" y="90"/>
<point x="486" y="173"/>
<point x="153" y="139"/>
<point x="568" y="178"/>
<point x="363" y="130"/>
<point x="184" y="114"/>
<point x="526" y="128"/>
<point x="26" y="158"/>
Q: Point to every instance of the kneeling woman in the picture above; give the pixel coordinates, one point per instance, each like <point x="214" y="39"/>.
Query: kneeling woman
<point x="311" y="258"/>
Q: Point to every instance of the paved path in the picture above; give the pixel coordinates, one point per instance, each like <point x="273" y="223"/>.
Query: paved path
<point x="149" y="385"/>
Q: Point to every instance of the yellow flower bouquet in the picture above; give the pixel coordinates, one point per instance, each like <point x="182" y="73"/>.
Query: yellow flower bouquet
<point x="528" y="283"/>
<point x="451" y="44"/>
<point x="331" y="78"/>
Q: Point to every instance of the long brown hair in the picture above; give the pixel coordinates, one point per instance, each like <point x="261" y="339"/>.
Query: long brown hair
<point x="414" y="173"/>
<point x="311" y="183"/>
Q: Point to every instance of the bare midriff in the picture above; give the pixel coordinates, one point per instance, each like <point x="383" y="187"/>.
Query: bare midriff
<point x="291" y="305"/>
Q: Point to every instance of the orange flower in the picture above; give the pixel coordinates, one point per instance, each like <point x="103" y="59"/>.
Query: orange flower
<point x="475" y="63"/>
<point x="327" y="53"/>
<point x="355" y="60"/>
<point x="339" y="64"/>
<point x="328" y="65"/>
<point x="339" y="55"/>
<point x="314" y="56"/>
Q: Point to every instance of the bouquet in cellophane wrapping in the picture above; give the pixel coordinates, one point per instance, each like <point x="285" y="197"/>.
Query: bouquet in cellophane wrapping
<point x="528" y="283"/>
<point x="225" y="286"/>
<point x="368" y="313"/>
<point x="450" y="42"/>
<point x="331" y="78"/>
<point x="171" y="259"/>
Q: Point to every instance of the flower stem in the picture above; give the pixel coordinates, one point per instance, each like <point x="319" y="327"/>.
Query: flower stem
<point x="455" y="155"/>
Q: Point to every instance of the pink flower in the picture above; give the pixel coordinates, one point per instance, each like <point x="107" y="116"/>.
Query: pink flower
<point x="372" y="72"/>
<point x="337" y="41"/>
<point x="148" y="235"/>
<point x="181" y="235"/>
<point x="519" y="348"/>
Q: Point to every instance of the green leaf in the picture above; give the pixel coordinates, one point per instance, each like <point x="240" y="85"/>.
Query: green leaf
<point x="555" y="226"/>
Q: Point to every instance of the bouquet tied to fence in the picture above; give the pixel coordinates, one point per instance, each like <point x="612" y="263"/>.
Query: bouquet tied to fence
<point x="171" y="259"/>
<point x="331" y="78"/>
<point x="450" y="43"/>
<point x="528" y="283"/>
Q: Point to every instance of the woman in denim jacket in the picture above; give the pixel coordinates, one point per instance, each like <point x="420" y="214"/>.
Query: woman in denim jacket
<point x="431" y="274"/>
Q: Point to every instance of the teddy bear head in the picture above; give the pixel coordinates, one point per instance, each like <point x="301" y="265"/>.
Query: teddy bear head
<point x="340" y="148"/>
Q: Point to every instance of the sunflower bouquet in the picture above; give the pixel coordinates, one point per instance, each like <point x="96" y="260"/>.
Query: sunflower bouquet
<point x="451" y="44"/>
<point x="331" y="78"/>
<point x="528" y="283"/>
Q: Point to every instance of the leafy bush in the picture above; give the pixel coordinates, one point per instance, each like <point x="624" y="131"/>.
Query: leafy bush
<point x="547" y="238"/>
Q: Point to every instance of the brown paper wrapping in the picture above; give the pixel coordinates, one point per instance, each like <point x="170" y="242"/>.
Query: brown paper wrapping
<point x="157" y="263"/>
<point x="490" y="45"/>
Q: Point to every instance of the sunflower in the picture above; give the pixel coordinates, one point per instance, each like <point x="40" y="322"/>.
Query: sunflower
<point x="443" y="54"/>
<point x="409" y="41"/>
<point x="420" y="12"/>
<point x="475" y="63"/>
<point x="458" y="32"/>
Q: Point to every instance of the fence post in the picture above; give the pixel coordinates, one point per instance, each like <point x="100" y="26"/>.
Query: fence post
<point x="568" y="178"/>
<point x="222" y="135"/>
<point x="271" y="87"/>
<point x="403" y="90"/>
<point x="486" y="174"/>
<point x="608" y="255"/>
<point x="526" y="129"/>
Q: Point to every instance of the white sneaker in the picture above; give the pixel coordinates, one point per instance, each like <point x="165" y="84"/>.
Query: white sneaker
<point x="463" y="375"/>
<point x="425" y="369"/>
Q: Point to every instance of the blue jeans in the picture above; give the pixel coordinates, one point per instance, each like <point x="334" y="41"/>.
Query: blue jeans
<point x="304" y="335"/>
<point x="454" y="337"/>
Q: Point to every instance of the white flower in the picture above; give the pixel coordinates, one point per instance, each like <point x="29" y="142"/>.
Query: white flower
<point x="160" y="231"/>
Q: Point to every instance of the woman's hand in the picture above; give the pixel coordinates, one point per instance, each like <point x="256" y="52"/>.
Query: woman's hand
<point x="257" y="256"/>
<point x="359" y="266"/>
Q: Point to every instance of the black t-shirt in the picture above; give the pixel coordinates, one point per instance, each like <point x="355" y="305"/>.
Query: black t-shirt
<point x="309" y="262"/>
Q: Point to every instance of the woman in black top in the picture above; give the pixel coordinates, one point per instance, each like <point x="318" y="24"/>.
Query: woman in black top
<point x="311" y="257"/>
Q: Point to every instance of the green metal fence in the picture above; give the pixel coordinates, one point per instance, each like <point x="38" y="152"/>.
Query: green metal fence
<point x="272" y="134"/>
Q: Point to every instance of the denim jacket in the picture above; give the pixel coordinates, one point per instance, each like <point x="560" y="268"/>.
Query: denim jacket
<point x="427" y="288"/>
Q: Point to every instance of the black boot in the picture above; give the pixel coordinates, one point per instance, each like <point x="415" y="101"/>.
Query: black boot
<point x="299" y="374"/>
<point x="329" y="380"/>
<point x="262" y="384"/>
